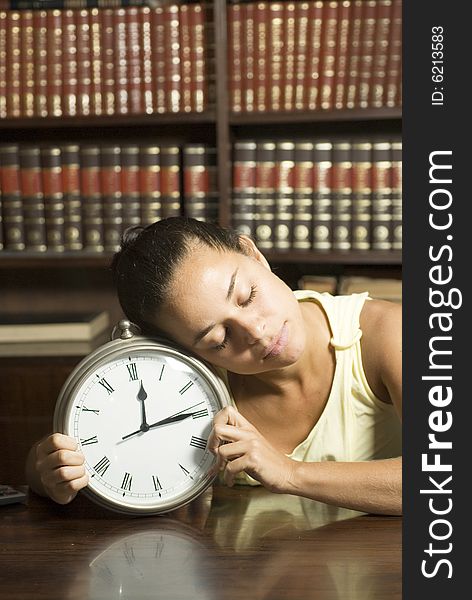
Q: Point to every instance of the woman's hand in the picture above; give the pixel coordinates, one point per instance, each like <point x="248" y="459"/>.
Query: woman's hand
<point x="243" y="448"/>
<point x="60" y="467"/>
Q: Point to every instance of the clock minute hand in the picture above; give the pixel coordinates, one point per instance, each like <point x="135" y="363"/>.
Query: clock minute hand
<point x="173" y="419"/>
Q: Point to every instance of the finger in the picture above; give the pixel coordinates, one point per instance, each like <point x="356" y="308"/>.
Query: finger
<point x="62" y="458"/>
<point x="226" y="433"/>
<point x="66" y="492"/>
<point x="229" y="415"/>
<point x="63" y="474"/>
<point x="233" y="468"/>
<point x="57" y="441"/>
<point x="233" y="450"/>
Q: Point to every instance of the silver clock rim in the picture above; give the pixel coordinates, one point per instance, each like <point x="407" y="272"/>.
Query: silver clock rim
<point x="106" y="353"/>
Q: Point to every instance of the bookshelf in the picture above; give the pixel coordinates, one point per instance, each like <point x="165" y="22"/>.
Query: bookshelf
<point x="217" y="125"/>
<point x="80" y="280"/>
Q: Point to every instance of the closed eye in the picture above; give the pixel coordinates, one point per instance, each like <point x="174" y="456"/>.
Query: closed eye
<point x="251" y="296"/>
<point x="224" y="342"/>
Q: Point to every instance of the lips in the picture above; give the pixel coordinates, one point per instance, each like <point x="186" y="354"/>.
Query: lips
<point x="277" y="344"/>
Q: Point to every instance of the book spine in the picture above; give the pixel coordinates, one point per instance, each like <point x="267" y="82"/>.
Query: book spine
<point x="96" y="63"/>
<point x="12" y="206"/>
<point x="170" y="181"/>
<point x="146" y="59"/>
<point x="27" y="64"/>
<point x="380" y="52"/>
<point x="288" y="76"/>
<point x="302" y="12"/>
<point x="1" y="220"/>
<point x="235" y="51"/>
<point x="213" y="196"/>
<point x="328" y="54"/>
<point x="33" y="198"/>
<point x="13" y="66"/>
<point x="69" y="66"/>
<point x="303" y="195"/>
<point x="120" y="51"/>
<point x="172" y="63"/>
<point x="342" y="51"/>
<point x="381" y="196"/>
<point x="3" y="64"/>
<point x="135" y="75"/>
<point x="150" y="184"/>
<point x="158" y="59"/>
<point x="70" y="157"/>
<point x="322" y="196"/>
<point x="40" y="58"/>
<point x="342" y="195"/>
<point x="108" y="61"/>
<point x="275" y="54"/>
<point x="196" y="183"/>
<point x="92" y="213"/>
<point x="199" y="61"/>
<point x="185" y="60"/>
<point x="366" y="58"/>
<point x="249" y="50"/>
<point x="243" y="210"/>
<point x="130" y="199"/>
<point x="354" y="51"/>
<point x="55" y="62"/>
<point x="84" y="62"/>
<point x="60" y="4"/>
<point x="396" y="195"/>
<point x="265" y="195"/>
<point x="392" y="95"/>
<point x="313" y="75"/>
<point x="284" y="189"/>
<point x="361" y="195"/>
<point x="110" y="183"/>
<point x="261" y="20"/>
<point x="51" y="172"/>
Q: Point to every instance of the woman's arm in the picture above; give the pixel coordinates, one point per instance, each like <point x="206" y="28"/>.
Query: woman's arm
<point x="371" y="486"/>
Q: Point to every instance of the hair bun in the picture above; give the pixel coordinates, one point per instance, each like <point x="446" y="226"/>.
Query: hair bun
<point x="130" y="235"/>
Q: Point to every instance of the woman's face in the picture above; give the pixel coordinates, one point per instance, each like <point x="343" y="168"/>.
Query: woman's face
<point x="231" y="310"/>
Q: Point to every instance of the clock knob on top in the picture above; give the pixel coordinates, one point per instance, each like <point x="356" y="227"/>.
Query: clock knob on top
<point x="125" y="330"/>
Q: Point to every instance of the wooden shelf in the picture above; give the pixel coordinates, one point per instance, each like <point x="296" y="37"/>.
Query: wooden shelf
<point x="61" y="260"/>
<point x="56" y="260"/>
<point x="366" y="114"/>
<point x="208" y="116"/>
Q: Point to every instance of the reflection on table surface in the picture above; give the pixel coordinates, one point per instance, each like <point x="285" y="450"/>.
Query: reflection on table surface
<point x="228" y="544"/>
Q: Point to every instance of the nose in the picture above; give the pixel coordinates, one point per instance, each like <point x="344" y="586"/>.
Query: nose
<point x="252" y="330"/>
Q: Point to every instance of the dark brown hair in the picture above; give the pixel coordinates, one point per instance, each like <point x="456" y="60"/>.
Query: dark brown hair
<point x="144" y="266"/>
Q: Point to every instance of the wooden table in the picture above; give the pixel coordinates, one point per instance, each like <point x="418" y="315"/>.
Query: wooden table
<point x="230" y="544"/>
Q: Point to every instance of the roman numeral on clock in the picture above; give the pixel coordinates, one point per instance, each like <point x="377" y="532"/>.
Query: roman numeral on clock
<point x="102" y="466"/>
<point x="106" y="385"/>
<point x="90" y="440"/>
<point x="186" y="387"/>
<point x="126" y="483"/>
<point x="200" y="413"/>
<point x="185" y="471"/>
<point x="133" y="372"/>
<point x="198" y="442"/>
<point x="85" y="409"/>
<point x="156" y="483"/>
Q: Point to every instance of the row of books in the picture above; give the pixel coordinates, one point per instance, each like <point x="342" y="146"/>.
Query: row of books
<point x="382" y="288"/>
<point x="323" y="195"/>
<point x="286" y="56"/>
<point x="81" y="197"/>
<point x="47" y="4"/>
<point x="133" y="60"/>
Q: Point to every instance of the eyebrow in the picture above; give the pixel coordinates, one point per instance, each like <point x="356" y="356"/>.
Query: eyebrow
<point x="201" y="334"/>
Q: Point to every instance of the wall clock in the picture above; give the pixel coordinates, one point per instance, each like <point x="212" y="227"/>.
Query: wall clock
<point x="141" y="410"/>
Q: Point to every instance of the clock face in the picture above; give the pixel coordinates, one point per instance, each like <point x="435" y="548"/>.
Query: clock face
<point x="142" y="418"/>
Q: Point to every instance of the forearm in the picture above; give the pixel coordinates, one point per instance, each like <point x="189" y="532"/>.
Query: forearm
<point x="372" y="486"/>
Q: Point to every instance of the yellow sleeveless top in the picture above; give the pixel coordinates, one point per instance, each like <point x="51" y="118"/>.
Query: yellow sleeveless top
<point x="355" y="425"/>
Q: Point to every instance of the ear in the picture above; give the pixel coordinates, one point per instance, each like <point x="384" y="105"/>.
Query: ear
<point x="253" y="251"/>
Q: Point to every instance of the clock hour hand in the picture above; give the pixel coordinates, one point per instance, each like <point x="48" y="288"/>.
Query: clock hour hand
<point x="142" y="397"/>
